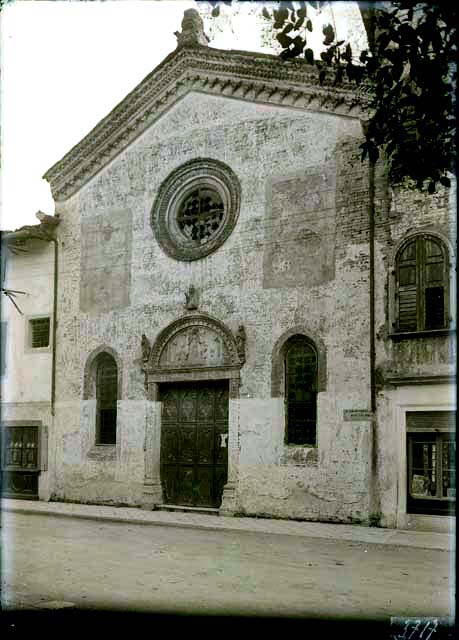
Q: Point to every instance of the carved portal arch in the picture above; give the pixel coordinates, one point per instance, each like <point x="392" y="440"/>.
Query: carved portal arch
<point x="195" y="347"/>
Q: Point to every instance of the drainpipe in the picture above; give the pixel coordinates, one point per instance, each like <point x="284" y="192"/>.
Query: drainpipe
<point x="368" y="16"/>
<point x="374" y="494"/>
<point x="369" y="19"/>
<point x="53" y="357"/>
<point x="371" y="212"/>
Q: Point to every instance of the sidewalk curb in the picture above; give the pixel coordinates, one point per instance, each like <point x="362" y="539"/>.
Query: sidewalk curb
<point x="358" y="534"/>
<point x="106" y="518"/>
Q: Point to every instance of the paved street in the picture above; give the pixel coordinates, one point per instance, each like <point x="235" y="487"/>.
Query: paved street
<point x="53" y="562"/>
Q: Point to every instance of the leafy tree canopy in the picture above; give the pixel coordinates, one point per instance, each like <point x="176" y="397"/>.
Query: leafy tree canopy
<point x="411" y="65"/>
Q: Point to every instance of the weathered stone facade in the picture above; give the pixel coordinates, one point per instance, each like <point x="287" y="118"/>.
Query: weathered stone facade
<point x="297" y="262"/>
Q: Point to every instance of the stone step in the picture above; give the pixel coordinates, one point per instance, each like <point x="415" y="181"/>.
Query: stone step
<point x="184" y="509"/>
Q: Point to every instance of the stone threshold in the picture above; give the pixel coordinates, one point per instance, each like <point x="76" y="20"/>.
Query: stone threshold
<point x="177" y="508"/>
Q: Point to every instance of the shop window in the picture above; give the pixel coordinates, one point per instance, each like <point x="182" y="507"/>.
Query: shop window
<point x="431" y="444"/>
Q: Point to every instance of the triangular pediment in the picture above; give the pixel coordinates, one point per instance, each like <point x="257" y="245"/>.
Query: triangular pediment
<point x="246" y="76"/>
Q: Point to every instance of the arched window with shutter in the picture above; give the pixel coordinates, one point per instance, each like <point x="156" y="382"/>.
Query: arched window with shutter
<point x="300" y="391"/>
<point x="422" y="285"/>
<point x="106" y="397"/>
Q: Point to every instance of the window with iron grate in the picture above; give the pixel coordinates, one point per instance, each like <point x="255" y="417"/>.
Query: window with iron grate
<point x="39" y="332"/>
<point x="422" y="285"/>
<point x="300" y="391"/>
<point x="106" y="397"/>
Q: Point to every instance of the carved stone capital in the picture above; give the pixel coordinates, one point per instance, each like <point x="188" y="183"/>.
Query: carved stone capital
<point x="151" y="389"/>
<point x="234" y="385"/>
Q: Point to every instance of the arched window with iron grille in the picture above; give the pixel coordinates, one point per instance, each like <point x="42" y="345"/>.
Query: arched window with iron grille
<point x="106" y="397"/>
<point x="300" y="391"/>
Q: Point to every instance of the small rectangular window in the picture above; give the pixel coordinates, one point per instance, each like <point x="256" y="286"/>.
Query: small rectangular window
<point x="39" y="333"/>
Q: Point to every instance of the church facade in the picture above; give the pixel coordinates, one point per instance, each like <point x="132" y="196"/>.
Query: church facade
<point x="249" y="319"/>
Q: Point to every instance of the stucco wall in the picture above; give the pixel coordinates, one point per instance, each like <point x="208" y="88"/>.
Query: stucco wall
<point x="297" y="257"/>
<point x="27" y="377"/>
<point x="26" y="381"/>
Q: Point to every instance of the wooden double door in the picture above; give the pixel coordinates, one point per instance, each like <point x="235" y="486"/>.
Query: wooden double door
<point x="194" y="443"/>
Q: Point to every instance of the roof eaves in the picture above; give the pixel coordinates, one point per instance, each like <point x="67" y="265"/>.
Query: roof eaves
<point x="42" y="231"/>
<point x="245" y="75"/>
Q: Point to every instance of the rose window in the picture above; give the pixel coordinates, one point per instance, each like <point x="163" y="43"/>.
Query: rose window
<point x="196" y="209"/>
<point x="200" y="215"/>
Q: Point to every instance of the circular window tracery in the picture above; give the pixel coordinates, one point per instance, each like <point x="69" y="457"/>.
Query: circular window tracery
<point x="196" y="209"/>
<point x="200" y="215"/>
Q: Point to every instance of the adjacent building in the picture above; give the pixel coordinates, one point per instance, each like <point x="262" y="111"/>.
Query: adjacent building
<point x="29" y="280"/>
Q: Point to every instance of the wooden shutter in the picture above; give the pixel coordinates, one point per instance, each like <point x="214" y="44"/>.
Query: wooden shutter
<point x="434" y="281"/>
<point x="407" y="296"/>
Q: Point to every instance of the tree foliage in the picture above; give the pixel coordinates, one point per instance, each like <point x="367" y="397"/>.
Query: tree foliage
<point x="411" y="66"/>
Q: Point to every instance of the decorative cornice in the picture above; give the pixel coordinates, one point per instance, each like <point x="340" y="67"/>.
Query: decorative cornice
<point x="398" y="381"/>
<point x="243" y="75"/>
<point x="43" y="231"/>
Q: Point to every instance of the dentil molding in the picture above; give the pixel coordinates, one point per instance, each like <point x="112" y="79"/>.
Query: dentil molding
<point x="252" y="77"/>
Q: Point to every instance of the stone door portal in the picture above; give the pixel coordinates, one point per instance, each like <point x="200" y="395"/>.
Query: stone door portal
<point x="194" y="443"/>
